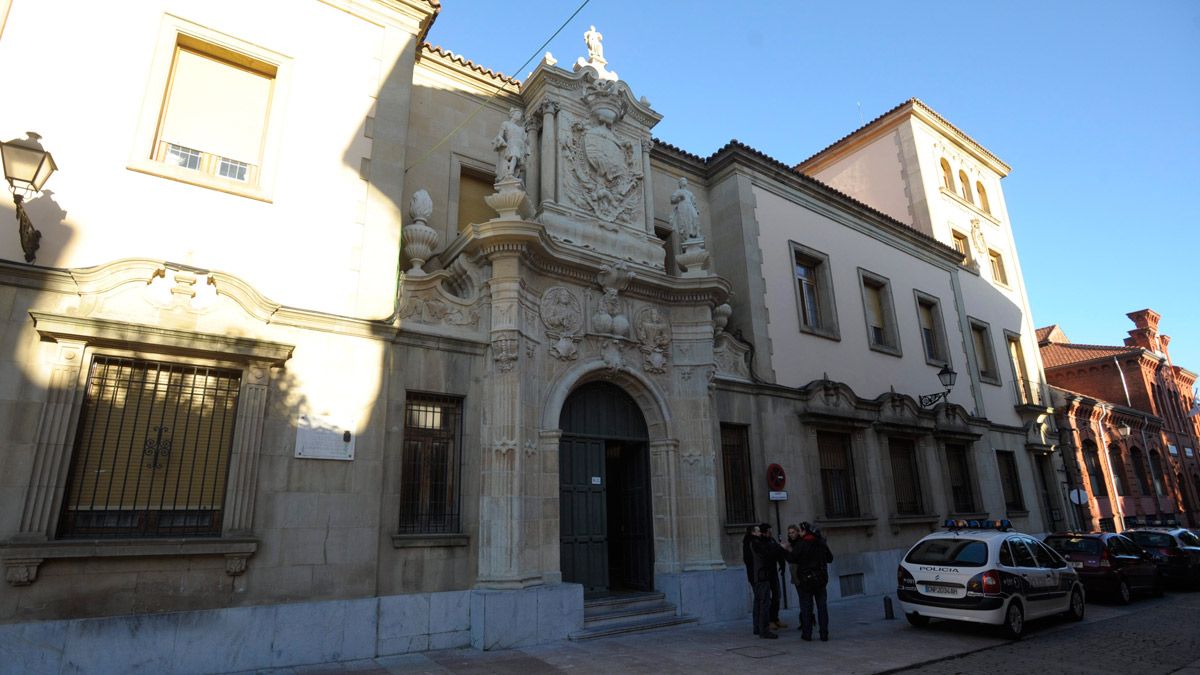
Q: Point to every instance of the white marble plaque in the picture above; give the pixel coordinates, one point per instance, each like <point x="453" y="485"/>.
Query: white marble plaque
<point x="318" y="437"/>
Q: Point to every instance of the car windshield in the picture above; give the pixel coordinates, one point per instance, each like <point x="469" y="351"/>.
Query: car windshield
<point x="1065" y="545"/>
<point x="1188" y="538"/>
<point x="952" y="552"/>
<point x="1152" y="539"/>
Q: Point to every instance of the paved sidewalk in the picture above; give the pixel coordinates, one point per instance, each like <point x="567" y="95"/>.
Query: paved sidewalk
<point x="861" y="641"/>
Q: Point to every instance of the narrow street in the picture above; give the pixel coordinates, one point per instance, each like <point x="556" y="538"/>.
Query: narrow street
<point x="1150" y="636"/>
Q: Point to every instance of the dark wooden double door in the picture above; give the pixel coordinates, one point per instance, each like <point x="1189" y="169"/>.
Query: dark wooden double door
<point x="606" y="537"/>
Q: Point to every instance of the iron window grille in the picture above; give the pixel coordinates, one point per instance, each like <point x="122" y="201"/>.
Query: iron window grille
<point x="735" y="460"/>
<point x="152" y="450"/>
<point x="430" y="465"/>
<point x="837" y="475"/>
<point x="1091" y="460"/>
<point x="961" y="492"/>
<point x="1010" y="481"/>
<point x="905" y="476"/>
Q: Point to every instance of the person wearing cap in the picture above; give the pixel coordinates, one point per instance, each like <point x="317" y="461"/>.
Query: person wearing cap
<point x="765" y="555"/>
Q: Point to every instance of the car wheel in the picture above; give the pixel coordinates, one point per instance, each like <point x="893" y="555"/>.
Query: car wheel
<point x="1014" y="620"/>
<point x="1075" y="609"/>
<point x="1124" y="595"/>
<point x="917" y="620"/>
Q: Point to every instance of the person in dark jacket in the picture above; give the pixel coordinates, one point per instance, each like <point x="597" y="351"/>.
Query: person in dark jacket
<point x="809" y="554"/>
<point x="765" y="554"/>
<point x="748" y="560"/>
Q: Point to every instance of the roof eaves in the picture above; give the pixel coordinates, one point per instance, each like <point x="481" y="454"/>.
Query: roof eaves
<point x="463" y="61"/>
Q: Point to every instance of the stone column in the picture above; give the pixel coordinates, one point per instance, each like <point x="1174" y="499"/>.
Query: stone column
<point x="696" y="485"/>
<point x="532" y="163"/>
<point x="48" y="480"/>
<point x="647" y="184"/>
<point x="549" y="165"/>
<point x="247" y="445"/>
<point x="505" y="515"/>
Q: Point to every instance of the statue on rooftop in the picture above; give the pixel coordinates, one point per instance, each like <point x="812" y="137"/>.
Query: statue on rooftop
<point x="595" y="49"/>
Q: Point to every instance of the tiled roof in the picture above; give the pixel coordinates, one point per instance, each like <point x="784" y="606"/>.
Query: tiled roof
<point x="464" y="61"/>
<point x="735" y="145"/>
<point x="915" y="103"/>
<point x="1056" y="355"/>
<point x="1044" y="332"/>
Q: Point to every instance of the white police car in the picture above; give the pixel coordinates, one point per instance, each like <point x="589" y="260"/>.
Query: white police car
<point x="981" y="571"/>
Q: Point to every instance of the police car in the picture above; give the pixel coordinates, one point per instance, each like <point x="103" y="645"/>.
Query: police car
<point x="981" y="571"/>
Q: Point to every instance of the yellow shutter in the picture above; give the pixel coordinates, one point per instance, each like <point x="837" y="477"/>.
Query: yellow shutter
<point x="216" y="107"/>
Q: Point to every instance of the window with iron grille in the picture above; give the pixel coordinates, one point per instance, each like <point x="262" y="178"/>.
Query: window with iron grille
<point x="1108" y="525"/>
<point x="1010" y="481"/>
<point x="1139" y="470"/>
<point x="429" y="472"/>
<point x="905" y="476"/>
<point x="1091" y="460"/>
<point x="735" y="459"/>
<point x="958" y="466"/>
<point x="1120" y="482"/>
<point x="152" y="450"/>
<point x="837" y="475"/>
<point x="850" y="584"/>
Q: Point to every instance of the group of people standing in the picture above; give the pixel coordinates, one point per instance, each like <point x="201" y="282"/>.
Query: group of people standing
<point x="806" y="554"/>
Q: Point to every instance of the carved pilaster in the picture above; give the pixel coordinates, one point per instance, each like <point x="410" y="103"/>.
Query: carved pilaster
<point x="647" y="188"/>
<point x="51" y="456"/>
<point x="21" y="571"/>
<point x="549" y="164"/>
<point x="247" y="444"/>
<point x="664" y="471"/>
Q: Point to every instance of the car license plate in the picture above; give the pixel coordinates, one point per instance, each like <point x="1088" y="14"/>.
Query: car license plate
<point x="939" y="590"/>
<point x="1076" y="564"/>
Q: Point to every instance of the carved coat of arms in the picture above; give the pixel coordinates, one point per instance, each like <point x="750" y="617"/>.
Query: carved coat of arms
<point x="607" y="177"/>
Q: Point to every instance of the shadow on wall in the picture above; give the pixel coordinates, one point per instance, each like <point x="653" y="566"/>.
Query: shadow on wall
<point x="48" y="217"/>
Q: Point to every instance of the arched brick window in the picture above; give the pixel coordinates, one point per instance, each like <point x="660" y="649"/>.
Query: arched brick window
<point x="947" y="175"/>
<point x="965" y="183"/>
<point x="1091" y="460"/>
<point x="983" y="198"/>
<point x="1118" y="469"/>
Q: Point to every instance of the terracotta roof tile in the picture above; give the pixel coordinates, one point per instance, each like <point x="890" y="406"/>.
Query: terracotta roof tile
<point x="464" y="61"/>
<point x="736" y="145"/>
<point x="1044" y="332"/>
<point x="1056" y="355"/>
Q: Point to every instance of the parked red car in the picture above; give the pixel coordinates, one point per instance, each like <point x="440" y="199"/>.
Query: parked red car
<point x="1176" y="550"/>
<point x="1109" y="563"/>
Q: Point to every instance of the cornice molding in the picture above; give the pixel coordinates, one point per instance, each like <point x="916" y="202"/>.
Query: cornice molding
<point x="412" y="16"/>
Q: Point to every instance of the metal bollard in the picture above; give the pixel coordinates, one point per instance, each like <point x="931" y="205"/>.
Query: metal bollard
<point x="887" y="608"/>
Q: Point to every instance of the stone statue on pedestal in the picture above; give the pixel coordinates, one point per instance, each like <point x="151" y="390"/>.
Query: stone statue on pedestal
<point x="512" y="147"/>
<point x="685" y="217"/>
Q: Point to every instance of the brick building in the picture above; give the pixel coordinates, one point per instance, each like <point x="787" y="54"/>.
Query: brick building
<point x="1127" y="438"/>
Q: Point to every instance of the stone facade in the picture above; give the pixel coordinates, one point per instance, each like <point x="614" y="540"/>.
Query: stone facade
<point x="344" y="299"/>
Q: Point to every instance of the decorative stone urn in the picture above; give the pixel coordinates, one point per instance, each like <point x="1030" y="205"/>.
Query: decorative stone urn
<point x="420" y="240"/>
<point x="694" y="258"/>
<point x="508" y="200"/>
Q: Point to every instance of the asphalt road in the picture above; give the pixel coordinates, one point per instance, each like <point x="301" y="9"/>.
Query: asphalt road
<point x="1150" y="636"/>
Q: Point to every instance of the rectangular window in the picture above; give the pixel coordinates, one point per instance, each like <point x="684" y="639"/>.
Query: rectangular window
<point x="985" y="358"/>
<point x="735" y="460"/>
<point x="1027" y="393"/>
<point x="962" y="245"/>
<point x="933" y="331"/>
<point x="814" y="292"/>
<point x="152" y="450"/>
<point x="216" y="107"/>
<point x="850" y="584"/>
<point x="473" y="186"/>
<point x="837" y="475"/>
<point x="906" y="477"/>
<point x="998" y="273"/>
<point x="429" y="472"/>
<point x="962" y="490"/>
<point x="1010" y="480"/>
<point x="879" y="313"/>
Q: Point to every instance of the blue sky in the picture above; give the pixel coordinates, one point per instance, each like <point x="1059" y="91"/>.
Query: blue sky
<point x="1095" y="106"/>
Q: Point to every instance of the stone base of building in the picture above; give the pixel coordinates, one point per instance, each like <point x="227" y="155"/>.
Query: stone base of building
<point x="277" y="636"/>
<point x="710" y="595"/>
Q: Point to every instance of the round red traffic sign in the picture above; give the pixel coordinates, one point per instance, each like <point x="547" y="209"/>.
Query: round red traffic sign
<point x="776" y="478"/>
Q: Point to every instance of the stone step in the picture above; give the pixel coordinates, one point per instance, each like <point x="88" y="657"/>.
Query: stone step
<point x="623" y="601"/>
<point x="631" y="626"/>
<point x="623" y="614"/>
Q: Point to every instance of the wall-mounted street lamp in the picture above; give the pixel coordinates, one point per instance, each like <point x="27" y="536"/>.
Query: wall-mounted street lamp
<point x="946" y="376"/>
<point x="27" y="167"/>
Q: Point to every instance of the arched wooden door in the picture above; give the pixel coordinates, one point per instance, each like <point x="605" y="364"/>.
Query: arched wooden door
<point x="606" y="539"/>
